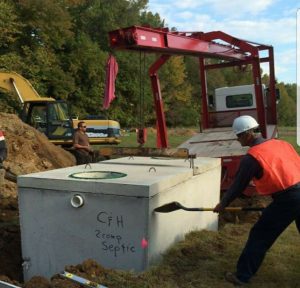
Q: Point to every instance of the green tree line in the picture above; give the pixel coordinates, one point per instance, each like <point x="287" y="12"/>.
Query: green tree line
<point x="61" y="47"/>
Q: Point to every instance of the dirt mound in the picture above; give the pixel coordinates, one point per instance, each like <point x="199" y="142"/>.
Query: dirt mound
<point x="29" y="151"/>
<point x="91" y="271"/>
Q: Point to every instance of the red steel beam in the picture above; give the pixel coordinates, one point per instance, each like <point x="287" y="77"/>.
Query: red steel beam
<point x="204" y="115"/>
<point x="242" y="45"/>
<point x="158" y="40"/>
<point x="272" y="88"/>
<point x="261" y="111"/>
<point x="161" y="136"/>
<point x="234" y="63"/>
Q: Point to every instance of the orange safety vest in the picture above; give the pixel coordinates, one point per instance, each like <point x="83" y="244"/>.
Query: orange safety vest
<point x="280" y="163"/>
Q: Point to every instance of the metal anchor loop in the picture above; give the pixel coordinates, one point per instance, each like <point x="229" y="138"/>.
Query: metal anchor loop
<point x="152" y="168"/>
<point x="87" y="165"/>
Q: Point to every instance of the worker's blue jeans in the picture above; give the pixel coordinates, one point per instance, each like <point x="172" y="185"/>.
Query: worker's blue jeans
<point x="284" y="209"/>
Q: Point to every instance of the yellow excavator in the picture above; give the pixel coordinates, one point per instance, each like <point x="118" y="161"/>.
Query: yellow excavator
<point x="52" y="117"/>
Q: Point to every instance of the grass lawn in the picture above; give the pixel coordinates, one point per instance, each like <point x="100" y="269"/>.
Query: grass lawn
<point x="201" y="259"/>
<point x="290" y="135"/>
<point x="176" y="136"/>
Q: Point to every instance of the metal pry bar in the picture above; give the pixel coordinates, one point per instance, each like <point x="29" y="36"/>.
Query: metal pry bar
<point x="7" y="285"/>
<point x="144" y="151"/>
<point x="81" y="281"/>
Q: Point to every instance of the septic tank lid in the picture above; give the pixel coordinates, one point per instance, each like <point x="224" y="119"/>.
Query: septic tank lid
<point x="97" y="175"/>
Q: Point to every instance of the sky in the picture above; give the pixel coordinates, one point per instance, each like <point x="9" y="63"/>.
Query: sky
<point x="271" y="22"/>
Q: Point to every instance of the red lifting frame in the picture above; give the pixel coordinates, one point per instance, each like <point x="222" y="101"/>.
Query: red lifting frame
<point x="236" y="52"/>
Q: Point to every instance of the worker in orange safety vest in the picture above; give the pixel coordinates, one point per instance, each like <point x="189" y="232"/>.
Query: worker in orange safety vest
<point x="274" y="167"/>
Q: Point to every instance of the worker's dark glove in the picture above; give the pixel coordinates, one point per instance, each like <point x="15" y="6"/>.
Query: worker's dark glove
<point x="219" y="208"/>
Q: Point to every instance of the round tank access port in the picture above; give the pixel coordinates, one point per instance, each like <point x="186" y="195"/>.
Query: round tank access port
<point x="77" y="201"/>
<point x="94" y="175"/>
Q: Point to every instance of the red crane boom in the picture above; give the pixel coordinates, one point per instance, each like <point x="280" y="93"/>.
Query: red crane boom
<point x="235" y="52"/>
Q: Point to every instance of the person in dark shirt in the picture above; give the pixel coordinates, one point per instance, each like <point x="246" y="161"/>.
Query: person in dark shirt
<point x="81" y="144"/>
<point x="274" y="167"/>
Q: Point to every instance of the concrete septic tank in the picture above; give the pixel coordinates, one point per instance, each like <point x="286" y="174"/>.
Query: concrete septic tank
<point x="69" y="215"/>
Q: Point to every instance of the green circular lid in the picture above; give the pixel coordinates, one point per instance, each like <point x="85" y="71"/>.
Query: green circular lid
<point x="97" y="175"/>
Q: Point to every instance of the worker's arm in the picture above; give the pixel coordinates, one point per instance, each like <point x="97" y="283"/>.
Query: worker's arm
<point x="249" y="168"/>
<point x="76" y="145"/>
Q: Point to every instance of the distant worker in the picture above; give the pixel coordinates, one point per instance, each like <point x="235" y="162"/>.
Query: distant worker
<point x="274" y="167"/>
<point x="81" y="143"/>
<point x="3" y="155"/>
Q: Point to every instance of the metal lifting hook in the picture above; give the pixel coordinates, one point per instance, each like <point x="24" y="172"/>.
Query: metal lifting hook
<point x="152" y="168"/>
<point x="87" y="164"/>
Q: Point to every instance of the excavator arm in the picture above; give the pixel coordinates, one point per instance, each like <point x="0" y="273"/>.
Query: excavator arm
<point x="15" y="83"/>
<point x="45" y="114"/>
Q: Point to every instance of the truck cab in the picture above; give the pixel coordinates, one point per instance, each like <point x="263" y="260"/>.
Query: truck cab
<point x="231" y="102"/>
<point x="228" y="101"/>
<point x="236" y="98"/>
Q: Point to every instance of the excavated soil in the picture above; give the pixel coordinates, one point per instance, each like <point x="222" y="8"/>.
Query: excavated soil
<point x="30" y="151"/>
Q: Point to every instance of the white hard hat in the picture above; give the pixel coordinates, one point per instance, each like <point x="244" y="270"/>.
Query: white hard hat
<point x="244" y="123"/>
